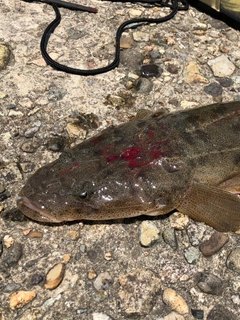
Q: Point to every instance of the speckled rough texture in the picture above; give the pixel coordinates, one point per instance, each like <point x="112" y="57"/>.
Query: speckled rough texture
<point x="43" y="110"/>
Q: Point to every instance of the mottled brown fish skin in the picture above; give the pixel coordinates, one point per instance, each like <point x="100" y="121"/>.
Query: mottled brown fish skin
<point x="146" y="166"/>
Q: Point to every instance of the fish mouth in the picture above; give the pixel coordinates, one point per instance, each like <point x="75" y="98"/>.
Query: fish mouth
<point x="33" y="212"/>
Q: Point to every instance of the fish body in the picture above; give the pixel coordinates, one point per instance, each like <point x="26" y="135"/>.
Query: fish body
<point x="187" y="160"/>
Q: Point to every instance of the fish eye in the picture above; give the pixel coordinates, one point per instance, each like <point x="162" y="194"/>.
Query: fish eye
<point x="83" y="195"/>
<point x="82" y="190"/>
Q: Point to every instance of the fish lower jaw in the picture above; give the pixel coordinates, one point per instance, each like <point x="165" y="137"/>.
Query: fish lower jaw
<point x="34" y="212"/>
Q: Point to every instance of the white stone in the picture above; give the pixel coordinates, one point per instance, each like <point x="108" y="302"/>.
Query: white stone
<point x="135" y="12"/>
<point x="149" y="233"/>
<point x="100" y="316"/>
<point x="141" y="36"/>
<point x="221" y="66"/>
<point x="236" y="79"/>
<point x="172" y="316"/>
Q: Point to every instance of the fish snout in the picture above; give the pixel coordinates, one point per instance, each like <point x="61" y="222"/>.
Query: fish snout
<point x="35" y="212"/>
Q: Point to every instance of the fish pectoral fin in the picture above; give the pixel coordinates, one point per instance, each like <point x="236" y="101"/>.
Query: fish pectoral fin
<point x="216" y="207"/>
<point x="232" y="184"/>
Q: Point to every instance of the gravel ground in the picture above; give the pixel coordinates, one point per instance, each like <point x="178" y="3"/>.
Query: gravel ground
<point x="108" y="271"/>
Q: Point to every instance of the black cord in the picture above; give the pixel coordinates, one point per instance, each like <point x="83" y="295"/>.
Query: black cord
<point x="172" y="4"/>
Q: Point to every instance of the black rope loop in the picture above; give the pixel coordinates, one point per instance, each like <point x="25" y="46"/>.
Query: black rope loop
<point x="172" y="4"/>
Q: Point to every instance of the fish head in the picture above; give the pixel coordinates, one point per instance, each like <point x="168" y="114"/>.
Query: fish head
<point x="71" y="189"/>
<point x="91" y="188"/>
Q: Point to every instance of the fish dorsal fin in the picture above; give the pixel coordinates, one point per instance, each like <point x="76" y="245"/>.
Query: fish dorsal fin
<point x="216" y="207"/>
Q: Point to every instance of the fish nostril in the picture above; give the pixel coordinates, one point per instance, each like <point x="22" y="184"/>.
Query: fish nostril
<point x="63" y="192"/>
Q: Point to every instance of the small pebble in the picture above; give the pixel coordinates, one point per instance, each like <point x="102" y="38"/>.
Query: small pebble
<point x="31" y="263"/>
<point x="141" y="36"/>
<point x="192" y="255"/>
<point x="150" y="70"/>
<point x="91" y="274"/>
<point x="135" y="12"/>
<point x="3" y="94"/>
<point x="214" y="89"/>
<point x="172" y="68"/>
<point x="235" y="299"/>
<point x="72" y="235"/>
<point x="100" y="316"/>
<point x="11" y="106"/>
<point x="67" y="257"/>
<point x="13" y="255"/>
<point x="233" y="260"/>
<point x="29" y="133"/>
<point x="155" y="54"/>
<point x="29" y="147"/>
<point x="201" y="26"/>
<point x="236" y="79"/>
<point x="187" y="104"/>
<point x="172" y="316"/>
<point x="219" y="312"/>
<point x="197" y="313"/>
<point x="225" y="82"/>
<point x="55" y="144"/>
<point x="108" y="256"/>
<point x="144" y="85"/>
<point x="11" y="287"/>
<point x="195" y="233"/>
<point x="116" y="101"/>
<point x="214" y="244"/>
<point x="4" y="195"/>
<point x="100" y="295"/>
<point x="174" y="301"/>
<point x="74" y="130"/>
<point x="82" y="248"/>
<point x="14" y="113"/>
<point x="35" y="234"/>
<point x="27" y="167"/>
<point x="42" y="101"/>
<point x="26" y="102"/>
<point x="49" y="303"/>
<point x="4" y="56"/>
<point x="169" y="236"/>
<point x="126" y="42"/>
<point x="8" y="241"/>
<point x="148" y="233"/>
<point x="55" y="276"/>
<point x="95" y="254"/>
<point x="103" y="281"/>
<point x="21" y="298"/>
<point x="192" y="73"/>
<point x="2" y="188"/>
<point x="179" y="221"/>
<point x="36" y="279"/>
<point x="209" y="283"/>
